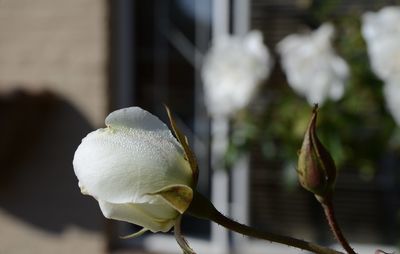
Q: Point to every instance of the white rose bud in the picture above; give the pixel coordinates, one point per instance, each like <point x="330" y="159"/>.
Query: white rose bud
<point x="136" y="170"/>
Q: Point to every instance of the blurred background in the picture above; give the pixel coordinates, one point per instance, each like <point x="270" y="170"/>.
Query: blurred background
<point x="64" y="65"/>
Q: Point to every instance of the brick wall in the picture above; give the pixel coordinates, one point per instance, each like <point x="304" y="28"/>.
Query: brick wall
<point x="59" y="46"/>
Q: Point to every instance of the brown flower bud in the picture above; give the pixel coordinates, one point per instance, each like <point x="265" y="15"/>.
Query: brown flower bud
<point x="316" y="168"/>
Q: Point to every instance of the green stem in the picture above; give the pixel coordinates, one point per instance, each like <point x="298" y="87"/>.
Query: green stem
<point x="180" y="239"/>
<point x="202" y="208"/>
<point x="334" y="225"/>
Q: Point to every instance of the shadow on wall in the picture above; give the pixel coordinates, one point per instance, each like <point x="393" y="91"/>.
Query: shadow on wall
<point x="38" y="137"/>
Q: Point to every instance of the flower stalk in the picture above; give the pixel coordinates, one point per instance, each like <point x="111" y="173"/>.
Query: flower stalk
<point x="202" y="208"/>
<point x="180" y="239"/>
<point x="327" y="205"/>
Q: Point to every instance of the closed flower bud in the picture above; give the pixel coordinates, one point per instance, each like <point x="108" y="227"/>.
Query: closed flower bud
<point x="137" y="170"/>
<point x="316" y="168"/>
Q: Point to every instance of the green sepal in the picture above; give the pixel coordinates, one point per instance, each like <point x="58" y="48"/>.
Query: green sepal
<point x="178" y="196"/>
<point x="136" y="234"/>
<point x="183" y="140"/>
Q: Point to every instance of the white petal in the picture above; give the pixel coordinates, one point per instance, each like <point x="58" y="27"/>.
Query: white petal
<point x="82" y="188"/>
<point x="340" y="67"/>
<point x="382" y="35"/>
<point x="155" y="217"/>
<point x="382" y="23"/>
<point x="391" y="91"/>
<point x="337" y="91"/>
<point x="324" y="34"/>
<point x="137" y="118"/>
<point x="232" y="71"/>
<point x="134" y="156"/>
<point x="312" y="68"/>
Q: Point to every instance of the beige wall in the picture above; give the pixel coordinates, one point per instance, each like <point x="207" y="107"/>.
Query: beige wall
<point x="59" y="45"/>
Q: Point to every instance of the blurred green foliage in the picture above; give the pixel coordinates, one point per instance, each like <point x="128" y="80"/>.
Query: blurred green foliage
<point x="357" y="129"/>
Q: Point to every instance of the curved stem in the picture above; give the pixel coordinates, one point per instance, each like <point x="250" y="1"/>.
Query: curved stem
<point x="333" y="224"/>
<point x="249" y="231"/>
<point x="180" y="239"/>
<point x="202" y="208"/>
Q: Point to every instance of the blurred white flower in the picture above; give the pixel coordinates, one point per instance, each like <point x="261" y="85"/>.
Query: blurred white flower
<point x="391" y="91"/>
<point x="233" y="69"/>
<point x="313" y="69"/>
<point x="129" y="166"/>
<point x="381" y="32"/>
